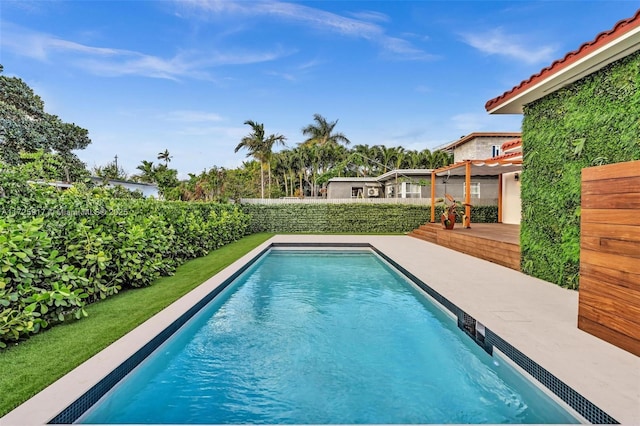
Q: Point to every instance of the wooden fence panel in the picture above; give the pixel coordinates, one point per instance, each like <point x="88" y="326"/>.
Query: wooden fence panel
<point x="609" y="298"/>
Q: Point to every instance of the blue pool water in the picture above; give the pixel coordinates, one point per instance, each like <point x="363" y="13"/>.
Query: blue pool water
<point x="322" y="337"/>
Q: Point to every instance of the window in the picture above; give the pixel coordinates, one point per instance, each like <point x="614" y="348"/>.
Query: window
<point x="495" y="150"/>
<point x="410" y="190"/>
<point x="475" y="190"/>
<point x="357" y="192"/>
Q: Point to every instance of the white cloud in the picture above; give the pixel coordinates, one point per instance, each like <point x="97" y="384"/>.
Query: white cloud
<point x="370" y="15"/>
<point x="497" y="42"/>
<point x="313" y="17"/>
<point x="119" y="62"/>
<point x="192" y="116"/>
<point x="478" y="122"/>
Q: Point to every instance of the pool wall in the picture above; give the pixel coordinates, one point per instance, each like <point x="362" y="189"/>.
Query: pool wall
<point x="483" y="336"/>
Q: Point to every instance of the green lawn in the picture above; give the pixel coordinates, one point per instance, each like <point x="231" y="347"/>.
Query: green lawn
<point x="32" y="365"/>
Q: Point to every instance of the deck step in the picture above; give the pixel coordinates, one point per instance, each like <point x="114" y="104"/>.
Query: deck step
<point x="487" y="248"/>
<point x="426" y="236"/>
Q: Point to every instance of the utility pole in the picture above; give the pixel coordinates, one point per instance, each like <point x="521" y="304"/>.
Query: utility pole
<point x="116" y="158"/>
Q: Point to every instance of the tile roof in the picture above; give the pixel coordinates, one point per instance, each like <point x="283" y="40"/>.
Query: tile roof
<point x="511" y="144"/>
<point x="602" y="39"/>
<point x="475" y="135"/>
<point x="507" y="156"/>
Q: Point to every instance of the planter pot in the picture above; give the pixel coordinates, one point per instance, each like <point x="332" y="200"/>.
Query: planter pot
<point x="448" y="222"/>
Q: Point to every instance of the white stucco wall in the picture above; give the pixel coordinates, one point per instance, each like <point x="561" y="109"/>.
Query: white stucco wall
<point x="511" y="206"/>
<point x="478" y="148"/>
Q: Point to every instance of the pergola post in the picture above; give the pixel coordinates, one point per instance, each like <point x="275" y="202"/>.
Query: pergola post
<point x="433" y="196"/>
<point x="467" y="198"/>
<point x="500" y="198"/>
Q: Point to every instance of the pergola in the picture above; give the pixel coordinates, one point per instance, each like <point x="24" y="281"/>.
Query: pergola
<point x="469" y="168"/>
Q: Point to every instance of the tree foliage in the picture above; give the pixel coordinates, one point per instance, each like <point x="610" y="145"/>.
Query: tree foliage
<point x="26" y="128"/>
<point x="321" y="132"/>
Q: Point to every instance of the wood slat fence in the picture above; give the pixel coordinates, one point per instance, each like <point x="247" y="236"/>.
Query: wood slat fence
<point x="609" y="295"/>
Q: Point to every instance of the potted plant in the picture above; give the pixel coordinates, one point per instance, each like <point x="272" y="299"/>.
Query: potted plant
<point x="450" y="213"/>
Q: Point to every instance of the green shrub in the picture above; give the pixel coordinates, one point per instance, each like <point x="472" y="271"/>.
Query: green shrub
<point x="348" y="218"/>
<point x="60" y="250"/>
<point x="37" y="286"/>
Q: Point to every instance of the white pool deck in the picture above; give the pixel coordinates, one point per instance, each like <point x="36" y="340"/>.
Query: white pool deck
<point x="536" y="317"/>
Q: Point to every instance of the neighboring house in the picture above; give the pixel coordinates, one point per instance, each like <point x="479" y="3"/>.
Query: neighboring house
<point x="147" y="189"/>
<point x="412" y="183"/>
<point x="478" y="145"/>
<point x="511" y="208"/>
<point x="354" y="187"/>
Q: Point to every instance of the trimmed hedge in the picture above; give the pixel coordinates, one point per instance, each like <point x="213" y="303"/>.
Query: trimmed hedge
<point x="348" y="218"/>
<point x="61" y="250"/>
<point x="591" y="122"/>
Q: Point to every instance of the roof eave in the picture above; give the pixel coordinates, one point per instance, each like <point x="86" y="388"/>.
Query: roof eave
<point x="514" y="100"/>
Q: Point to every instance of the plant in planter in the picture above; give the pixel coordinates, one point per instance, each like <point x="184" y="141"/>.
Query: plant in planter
<point x="451" y="211"/>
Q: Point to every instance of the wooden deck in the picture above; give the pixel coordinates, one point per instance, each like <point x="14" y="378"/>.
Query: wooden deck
<point x="496" y="242"/>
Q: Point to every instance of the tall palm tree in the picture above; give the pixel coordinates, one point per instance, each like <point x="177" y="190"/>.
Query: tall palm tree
<point x="321" y="133"/>
<point x="413" y="159"/>
<point x="259" y="147"/>
<point x="165" y="156"/>
<point x="267" y="151"/>
<point x="147" y="174"/>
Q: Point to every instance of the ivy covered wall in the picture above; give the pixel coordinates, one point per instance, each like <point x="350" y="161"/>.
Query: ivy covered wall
<point x="594" y="121"/>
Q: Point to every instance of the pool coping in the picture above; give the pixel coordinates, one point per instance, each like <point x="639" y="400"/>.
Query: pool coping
<point x="587" y="368"/>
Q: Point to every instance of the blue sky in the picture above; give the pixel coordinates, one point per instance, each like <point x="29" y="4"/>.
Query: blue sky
<point x="145" y="76"/>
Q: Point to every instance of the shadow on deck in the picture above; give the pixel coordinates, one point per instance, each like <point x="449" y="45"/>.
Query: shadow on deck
<point x="496" y="242"/>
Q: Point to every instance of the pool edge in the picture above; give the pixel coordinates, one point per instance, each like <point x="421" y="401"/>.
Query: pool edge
<point x="32" y="411"/>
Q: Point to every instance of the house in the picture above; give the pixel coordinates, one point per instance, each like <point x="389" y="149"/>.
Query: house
<point x="478" y="145"/>
<point x="580" y="130"/>
<point x="354" y="187"/>
<point x="416" y="183"/>
<point x="147" y="189"/>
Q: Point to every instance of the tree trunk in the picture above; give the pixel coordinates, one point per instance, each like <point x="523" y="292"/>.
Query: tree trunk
<point x="261" y="180"/>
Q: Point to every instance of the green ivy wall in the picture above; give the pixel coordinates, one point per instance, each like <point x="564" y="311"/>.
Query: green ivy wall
<point x="593" y="121"/>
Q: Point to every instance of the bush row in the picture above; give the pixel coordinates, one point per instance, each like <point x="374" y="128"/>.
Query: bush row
<point x="348" y="218"/>
<point x="60" y="251"/>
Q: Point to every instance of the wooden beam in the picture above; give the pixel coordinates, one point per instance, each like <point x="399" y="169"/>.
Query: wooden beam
<point x="467" y="198"/>
<point x="433" y="196"/>
<point x="500" y="198"/>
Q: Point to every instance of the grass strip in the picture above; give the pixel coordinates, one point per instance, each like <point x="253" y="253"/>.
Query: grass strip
<point x="32" y="365"/>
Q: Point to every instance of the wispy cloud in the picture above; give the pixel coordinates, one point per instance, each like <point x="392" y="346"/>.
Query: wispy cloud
<point x="370" y="15"/>
<point x="189" y="116"/>
<point x="359" y="27"/>
<point x="470" y="122"/>
<point x="114" y="62"/>
<point x="498" y="42"/>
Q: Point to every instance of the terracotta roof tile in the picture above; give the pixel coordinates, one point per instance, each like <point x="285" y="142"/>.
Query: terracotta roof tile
<point x="511" y="144"/>
<point x="507" y="156"/>
<point x="601" y="39"/>
<point x="471" y="136"/>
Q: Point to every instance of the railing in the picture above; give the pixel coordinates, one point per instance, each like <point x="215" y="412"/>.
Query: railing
<point x="318" y="200"/>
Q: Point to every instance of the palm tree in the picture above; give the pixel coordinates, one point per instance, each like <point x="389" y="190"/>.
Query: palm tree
<point x="165" y="156"/>
<point x="147" y="174"/>
<point x="413" y="159"/>
<point x="321" y="133"/>
<point x="267" y="151"/>
<point x="259" y="147"/>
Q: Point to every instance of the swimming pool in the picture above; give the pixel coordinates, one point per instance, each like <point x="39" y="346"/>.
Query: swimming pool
<point x="323" y="337"/>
